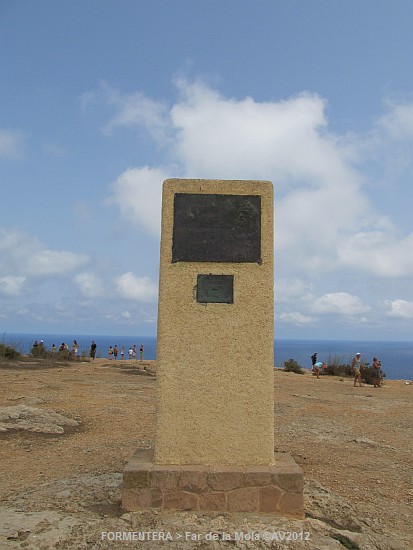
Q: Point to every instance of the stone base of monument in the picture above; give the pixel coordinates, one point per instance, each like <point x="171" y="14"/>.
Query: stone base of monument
<point x="276" y="489"/>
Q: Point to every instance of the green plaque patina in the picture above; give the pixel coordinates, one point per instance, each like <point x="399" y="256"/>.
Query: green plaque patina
<point x="215" y="289"/>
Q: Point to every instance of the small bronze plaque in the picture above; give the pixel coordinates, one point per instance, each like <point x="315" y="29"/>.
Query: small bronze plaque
<point x="215" y="289"/>
<point x="216" y="228"/>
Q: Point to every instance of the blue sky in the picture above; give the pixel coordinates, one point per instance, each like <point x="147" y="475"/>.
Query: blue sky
<point x="101" y="100"/>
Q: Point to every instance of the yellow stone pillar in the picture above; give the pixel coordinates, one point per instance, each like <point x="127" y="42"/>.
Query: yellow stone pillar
<point x="215" y="359"/>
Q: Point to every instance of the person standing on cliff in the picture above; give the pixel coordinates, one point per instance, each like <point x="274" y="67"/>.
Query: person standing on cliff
<point x="313" y="360"/>
<point x="378" y="375"/>
<point x="75" y="347"/>
<point x="356" y="365"/>
<point x="93" y="350"/>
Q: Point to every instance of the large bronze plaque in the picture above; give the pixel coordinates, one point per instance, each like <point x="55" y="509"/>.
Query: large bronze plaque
<point x="215" y="289"/>
<point x="216" y="228"/>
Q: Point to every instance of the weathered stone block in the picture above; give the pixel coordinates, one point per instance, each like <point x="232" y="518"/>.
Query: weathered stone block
<point x="226" y="480"/>
<point x="164" y="479"/>
<point x="270" y="497"/>
<point x="213" y="501"/>
<point x="136" y="477"/>
<point x="292" y="504"/>
<point x="289" y="481"/>
<point x="180" y="500"/>
<point x="257" y="477"/>
<point x="243" y="500"/>
<point x="193" y="481"/>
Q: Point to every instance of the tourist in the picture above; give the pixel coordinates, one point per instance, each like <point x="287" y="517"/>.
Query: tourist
<point x="110" y="352"/>
<point x="130" y="353"/>
<point x="356" y="365"/>
<point x="318" y="366"/>
<point x="141" y="352"/>
<point x="75" y="347"/>
<point x="134" y="352"/>
<point x="313" y="360"/>
<point x="115" y="352"/>
<point x="122" y="353"/>
<point x="378" y="375"/>
<point x="53" y="348"/>
<point x="93" y="350"/>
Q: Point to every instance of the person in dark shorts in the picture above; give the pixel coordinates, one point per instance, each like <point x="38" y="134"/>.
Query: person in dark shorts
<point x="93" y="350"/>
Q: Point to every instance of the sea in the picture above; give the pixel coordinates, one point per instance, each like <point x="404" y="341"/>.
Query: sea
<point x="396" y="357"/>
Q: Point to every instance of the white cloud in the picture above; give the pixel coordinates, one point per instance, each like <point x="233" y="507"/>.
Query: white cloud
<point x="54" y="262"/>
<point x="11" y="144"/>
<point x="138" y="193"/>
<point x="24" y="255"/>
<point x="295" y="318"/>
<point x="131" y="110"/>
<point x="341" y="303"/>
<point x="89" y="284"/>
<point x="379" y="253"/>
<point x="11" y="285"/>
<point x="10" y="241"/>
<point x="399" y="308"/>
<point x="311" y="226"/>
<point x="398" y="122"/>
<point x="292" y="289"/>
<point x="220" y="137"/>
<point x="137" y="109"/>
<point x="140" y="289"/>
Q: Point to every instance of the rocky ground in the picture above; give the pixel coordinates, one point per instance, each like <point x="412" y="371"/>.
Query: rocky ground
<point x="66" y="431"/>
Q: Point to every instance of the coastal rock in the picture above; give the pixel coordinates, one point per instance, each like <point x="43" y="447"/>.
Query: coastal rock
<point x="31" y="419"/>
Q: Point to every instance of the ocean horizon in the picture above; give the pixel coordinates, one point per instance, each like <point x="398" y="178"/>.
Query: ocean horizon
<point x="396" y="356"/>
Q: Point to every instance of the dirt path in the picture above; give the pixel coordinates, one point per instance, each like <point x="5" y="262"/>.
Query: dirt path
<point x="63" y="490"/>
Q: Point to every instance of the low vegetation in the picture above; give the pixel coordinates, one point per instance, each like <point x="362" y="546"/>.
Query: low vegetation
<point x="9" y="352"/>
<point x="336" y="366"/>
<point x="65" y="355"/>
<point x="39" y="357"/>
<point x="369" y="374"/>
<point x="292" y="366"/>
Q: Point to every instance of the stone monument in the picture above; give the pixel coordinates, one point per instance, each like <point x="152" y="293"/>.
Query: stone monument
<point x="214" y="447"/>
